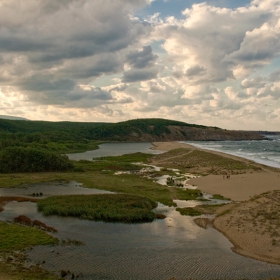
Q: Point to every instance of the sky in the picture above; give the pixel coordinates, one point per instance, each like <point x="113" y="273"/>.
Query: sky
<point x="214" y="63"/>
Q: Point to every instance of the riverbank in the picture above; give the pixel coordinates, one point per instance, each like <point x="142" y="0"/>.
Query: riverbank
<point x="251" y="225"/>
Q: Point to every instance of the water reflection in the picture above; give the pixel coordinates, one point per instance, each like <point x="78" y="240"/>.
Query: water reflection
<point x="174" y="247"/>
<point x="115" y="149"/>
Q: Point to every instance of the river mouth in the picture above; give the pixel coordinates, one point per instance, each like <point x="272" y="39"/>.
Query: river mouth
<point x="163" y="249"/>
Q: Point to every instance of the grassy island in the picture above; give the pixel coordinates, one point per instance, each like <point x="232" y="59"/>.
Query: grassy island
<point x="104" y="207"/>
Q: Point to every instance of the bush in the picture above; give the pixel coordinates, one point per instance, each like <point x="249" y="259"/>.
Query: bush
<point x="18" y="159"/>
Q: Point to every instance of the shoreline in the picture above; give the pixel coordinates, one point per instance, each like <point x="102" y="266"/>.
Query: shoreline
<point x="252" y="235"/>
<point x="239" y="186"/>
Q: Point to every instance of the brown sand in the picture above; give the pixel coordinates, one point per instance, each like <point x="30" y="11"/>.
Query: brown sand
<point x="253" y="226"/>
<point x="239" y="187"/>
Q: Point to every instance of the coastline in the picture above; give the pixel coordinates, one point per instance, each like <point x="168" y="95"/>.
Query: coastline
<point x="255" y="196"/>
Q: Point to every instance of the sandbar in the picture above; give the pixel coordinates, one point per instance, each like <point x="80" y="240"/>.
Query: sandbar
<point x="252" y="223"/>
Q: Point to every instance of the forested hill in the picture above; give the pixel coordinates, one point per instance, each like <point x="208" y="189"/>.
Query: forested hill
<point x="14" y="132"/>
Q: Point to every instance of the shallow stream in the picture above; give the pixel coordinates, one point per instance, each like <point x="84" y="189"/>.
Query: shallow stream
<point x="173" y="247"/>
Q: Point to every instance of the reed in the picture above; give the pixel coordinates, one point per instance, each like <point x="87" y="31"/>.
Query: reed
<point x="101" y="207"/>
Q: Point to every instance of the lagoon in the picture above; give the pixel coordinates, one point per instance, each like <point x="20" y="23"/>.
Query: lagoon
<point x="163" y="249"/>
<point x="115" y="149"/>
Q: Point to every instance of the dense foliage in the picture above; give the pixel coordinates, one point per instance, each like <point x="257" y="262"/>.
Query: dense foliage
<point x="105" y="207"/>
<point x="66" y="137"/>
<point x="32" y="146"/>
<point x="18" y="159"/>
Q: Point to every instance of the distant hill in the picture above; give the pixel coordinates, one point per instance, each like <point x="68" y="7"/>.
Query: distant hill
<point x="139" y="130"/>
<point x="11" y="118"/>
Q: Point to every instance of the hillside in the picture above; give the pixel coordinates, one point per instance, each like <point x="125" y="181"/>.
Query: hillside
<point x="19" y="132"/>
<point x="11" y="117"/>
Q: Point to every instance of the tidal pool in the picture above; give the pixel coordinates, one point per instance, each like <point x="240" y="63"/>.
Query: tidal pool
<point x="173" y="247"/>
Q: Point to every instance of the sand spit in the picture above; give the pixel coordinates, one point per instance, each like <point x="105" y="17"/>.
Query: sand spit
<point x="253" y="225"/>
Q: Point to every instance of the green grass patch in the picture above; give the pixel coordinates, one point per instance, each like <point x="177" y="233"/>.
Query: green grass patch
<point x="104" y="207"/>
<point x="127" y="183"/>
<point x="219" y="196"/>
<point x="187" y="194"/>
<point x="188" y="211"/>
<point x="16" y="237"/>
<point x="114" y="163"/>
<point x="134" y="157"/>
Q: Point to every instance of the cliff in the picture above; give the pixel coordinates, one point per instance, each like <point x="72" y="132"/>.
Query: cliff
<point x="185" y="133"/>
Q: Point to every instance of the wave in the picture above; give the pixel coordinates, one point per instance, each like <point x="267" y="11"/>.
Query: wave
<point x="264" y="151"/>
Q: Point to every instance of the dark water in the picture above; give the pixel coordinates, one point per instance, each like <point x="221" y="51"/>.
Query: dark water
<point x="115" y="149"/>
<point x="174" y="247"/>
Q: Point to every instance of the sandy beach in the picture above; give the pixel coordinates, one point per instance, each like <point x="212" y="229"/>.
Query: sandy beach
<point x="239" y="187"/>
<point x="252" y="224"/>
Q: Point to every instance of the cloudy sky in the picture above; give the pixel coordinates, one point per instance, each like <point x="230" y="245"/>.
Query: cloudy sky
<point x="213" y="63"/>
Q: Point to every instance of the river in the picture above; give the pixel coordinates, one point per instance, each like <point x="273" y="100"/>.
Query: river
<point x="173" y="247"/>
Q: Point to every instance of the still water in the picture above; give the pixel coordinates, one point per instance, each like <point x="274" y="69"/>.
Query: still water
<point x="163" y="249"/>
<point x="115" y="149"/>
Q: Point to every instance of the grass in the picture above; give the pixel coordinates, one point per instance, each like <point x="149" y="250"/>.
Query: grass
<point x="188" y="211"/>
<point x="203" y="162"/>
<point x="100" y="175"/>
<point x="16" y="237"/>
<point x="114" y="163"/>
<point x="104" y="207"/>
<point x="219" y="196"/>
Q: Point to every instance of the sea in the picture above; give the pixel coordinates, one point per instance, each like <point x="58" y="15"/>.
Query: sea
<point x="265" y="152"/>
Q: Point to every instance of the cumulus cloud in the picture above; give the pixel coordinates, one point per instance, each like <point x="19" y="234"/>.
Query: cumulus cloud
<point x="142" y="65"/>
<point x="52" y="47"/>
<point x="208" y="66"/>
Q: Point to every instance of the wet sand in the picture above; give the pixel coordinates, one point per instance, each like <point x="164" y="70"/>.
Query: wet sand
<point x="258" y="240"/>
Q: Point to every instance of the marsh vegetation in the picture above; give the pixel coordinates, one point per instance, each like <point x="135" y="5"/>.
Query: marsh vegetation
<point x="100" y="207"/>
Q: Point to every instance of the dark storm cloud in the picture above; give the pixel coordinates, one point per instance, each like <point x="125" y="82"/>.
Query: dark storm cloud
<point x="138" y="75"/>
<point x="91" y="94"/>
<point x="142" y="59"/>
<point x="42" y="83"/>
<point x="195" y="70"/>
<point x="77" y="97"/>
<point x="69" y="43"/>
<point x="48" y="90"/>
<point x="100" y="65"/>
<point x="142" y="64"/>
<point x="251" y="55"/>
<point x="21" y="44"/>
